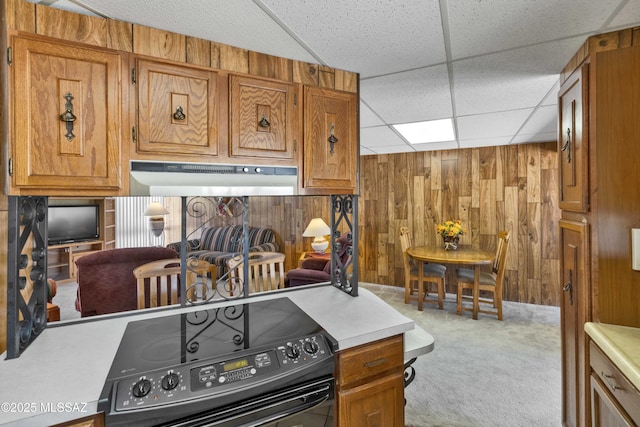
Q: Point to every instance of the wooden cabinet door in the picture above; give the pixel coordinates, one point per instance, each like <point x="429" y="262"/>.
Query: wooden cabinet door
<point x="606" y="412"/>
<point x="176" y="109"/>
<point x="378" y="403"/>
<point x="54" y="82"/>
<point x="574" y="312"/>
<point x="262" y="119"/>
<point x="573" y="142"/>
<point x="330" y="115"/>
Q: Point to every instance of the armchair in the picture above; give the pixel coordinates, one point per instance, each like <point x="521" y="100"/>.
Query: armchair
<point x="317" y="270"/>
<point x="106" y="283"/>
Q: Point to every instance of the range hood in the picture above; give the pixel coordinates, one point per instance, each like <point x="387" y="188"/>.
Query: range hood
<point x="206" y="179"/>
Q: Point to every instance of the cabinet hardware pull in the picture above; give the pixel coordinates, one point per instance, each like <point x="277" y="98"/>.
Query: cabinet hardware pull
<point x="68" y="117"/>
<point x="264" y="123"/>
<point x="609" y="379"/>
<point x="332" y="138"/>
<point x="375" y="362"/>
<point x="179" y="114"/>
<point x="569" y="287"/>
<point x="567" y="145"/>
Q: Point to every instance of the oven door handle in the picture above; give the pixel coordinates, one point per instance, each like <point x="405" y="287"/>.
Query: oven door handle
<point x="277" y="406"/>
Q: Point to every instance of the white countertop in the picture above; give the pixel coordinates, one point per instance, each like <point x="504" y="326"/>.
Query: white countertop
<point x="621" y="344"/>
<point x="69" y="364"/>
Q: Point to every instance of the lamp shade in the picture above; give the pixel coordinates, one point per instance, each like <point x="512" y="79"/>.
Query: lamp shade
<point x="317" y="227"/>
<point x="155" y="209"/>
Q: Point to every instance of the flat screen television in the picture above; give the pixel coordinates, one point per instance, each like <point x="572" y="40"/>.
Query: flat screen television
<point x="69" y="224"/>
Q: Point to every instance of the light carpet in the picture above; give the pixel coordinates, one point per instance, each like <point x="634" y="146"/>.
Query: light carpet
<point x="483" y="372"/>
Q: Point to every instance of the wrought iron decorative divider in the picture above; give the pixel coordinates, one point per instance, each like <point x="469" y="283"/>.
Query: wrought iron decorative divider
<point x="26" y="264"/>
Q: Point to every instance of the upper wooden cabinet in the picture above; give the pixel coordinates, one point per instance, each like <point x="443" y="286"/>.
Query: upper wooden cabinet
<point x="330" y="141"/>
<point x="176" y="109"/>
<point x="262" y="118"/>
<point x="573" y="142"/>
<point x="66" y="117"/>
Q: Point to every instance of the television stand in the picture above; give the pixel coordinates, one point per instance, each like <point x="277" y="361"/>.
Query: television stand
<point x="61" y="258"/>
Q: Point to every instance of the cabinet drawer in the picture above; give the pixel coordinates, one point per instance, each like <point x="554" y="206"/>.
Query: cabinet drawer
<point x="617" y="384"/>
<point x="367" y="361"/>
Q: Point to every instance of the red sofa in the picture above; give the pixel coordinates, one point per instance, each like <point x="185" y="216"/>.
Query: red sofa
<point x="105" y="278"/>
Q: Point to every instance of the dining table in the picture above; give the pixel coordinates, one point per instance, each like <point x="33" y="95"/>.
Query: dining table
<point x="463" y="255"/>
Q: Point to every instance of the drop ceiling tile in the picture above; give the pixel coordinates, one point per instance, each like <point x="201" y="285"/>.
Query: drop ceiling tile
<point x="543" y="120"/>
<point x="371" y="37"/>
<point x="367" y="117"/>
<point x="480" y="27"/>
<point x="436" y="146"/>
<point x="628" y="16"/>
<point x="518" y="78"/>
<point x="380" y="136"/>
<point x="493" y="125"/>
<point x="240" y="23"/>
<point x="412" y="96"/>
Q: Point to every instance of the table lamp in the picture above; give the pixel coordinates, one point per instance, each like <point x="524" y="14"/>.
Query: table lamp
<point x="317" y="228"/>
<point x="156" y="212"/>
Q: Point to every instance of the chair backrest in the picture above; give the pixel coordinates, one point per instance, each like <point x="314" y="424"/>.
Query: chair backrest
<point x="501" y="257"/>
<point x="405" y="242"/>
<point x="266" y="271"/>
<point x="158" y="282"/>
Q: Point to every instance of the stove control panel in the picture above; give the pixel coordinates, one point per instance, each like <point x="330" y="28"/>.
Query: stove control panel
<point x="200" y="378"/>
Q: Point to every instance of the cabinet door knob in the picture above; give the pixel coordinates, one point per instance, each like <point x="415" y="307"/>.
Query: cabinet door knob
<point x="179" y="114"/>
<point x="332" y="138"/>
<point x="569" y="287"/>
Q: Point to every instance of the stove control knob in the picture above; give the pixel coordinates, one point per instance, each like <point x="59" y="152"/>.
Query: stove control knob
<point x="292" y="351"/>
<point x="141" y="388"/>
<point x="170" y="381"/>
<point x="311" y="347"/>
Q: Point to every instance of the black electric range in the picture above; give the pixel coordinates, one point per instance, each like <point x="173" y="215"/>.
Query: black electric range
<point x="219" y="364"/>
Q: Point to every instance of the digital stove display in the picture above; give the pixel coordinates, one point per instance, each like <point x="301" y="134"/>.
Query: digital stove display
<point x="204" y="334"/>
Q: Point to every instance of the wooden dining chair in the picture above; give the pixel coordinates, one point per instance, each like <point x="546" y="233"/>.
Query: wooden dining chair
<point x="489" y="282"/>
<point x="433" y="273"/>
<point x="266" y="271"/>
<point x="158" y="281"/>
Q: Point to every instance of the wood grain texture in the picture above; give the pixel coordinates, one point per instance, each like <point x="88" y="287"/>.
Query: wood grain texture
<point x="490" y="189"/>
<point x="71" y="26"/>
<point x="158" y="43"/>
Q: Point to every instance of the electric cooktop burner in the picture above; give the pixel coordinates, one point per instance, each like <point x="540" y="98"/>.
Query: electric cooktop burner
<point x="198" y="335"/>
<point x="213" y="356"/>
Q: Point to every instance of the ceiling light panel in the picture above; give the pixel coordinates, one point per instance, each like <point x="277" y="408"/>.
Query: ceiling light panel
<point x="425" y="132"/>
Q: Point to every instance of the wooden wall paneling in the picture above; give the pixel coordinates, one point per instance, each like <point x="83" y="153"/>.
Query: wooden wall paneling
<point x="305" y="73"/>
<point x="198" y="51"/>
<point x="119" y="35"/>
<point x="393" y="186"/>
<point x="263" y="65"/>
<point x="158" y="43"/>
<point x="71" y="26"/>
<point x="345" y="80"/>
<point x="326" y="77"/>
<point x="230" y="58"/>
<point x="20" y="15"/>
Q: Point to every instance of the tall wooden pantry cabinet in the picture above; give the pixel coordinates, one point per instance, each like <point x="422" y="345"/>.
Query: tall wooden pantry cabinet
<point x="599" y="149"/>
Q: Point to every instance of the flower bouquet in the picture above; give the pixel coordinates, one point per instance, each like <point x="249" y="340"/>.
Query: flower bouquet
<point x="450" y="231"/>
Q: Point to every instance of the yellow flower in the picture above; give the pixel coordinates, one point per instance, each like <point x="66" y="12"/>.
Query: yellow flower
<point x="450" y="228"/>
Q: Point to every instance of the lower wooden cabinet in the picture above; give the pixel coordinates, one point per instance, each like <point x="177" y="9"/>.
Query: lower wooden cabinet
<point x="614" y="400"/>
<point x="370" y="384"/>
